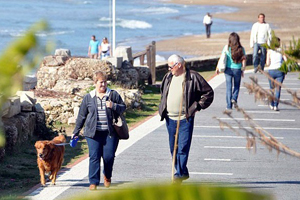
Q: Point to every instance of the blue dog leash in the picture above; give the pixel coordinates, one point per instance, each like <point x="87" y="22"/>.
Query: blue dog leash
<point x="72" y="142"/>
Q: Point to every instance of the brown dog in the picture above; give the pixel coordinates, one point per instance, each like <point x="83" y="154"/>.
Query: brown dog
<point x="50" y="157"/>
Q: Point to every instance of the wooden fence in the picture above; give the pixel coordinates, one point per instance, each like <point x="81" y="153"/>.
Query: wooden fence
<point x="150" y="53"/>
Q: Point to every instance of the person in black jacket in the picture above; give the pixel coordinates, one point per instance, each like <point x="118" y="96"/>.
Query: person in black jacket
<point x="183" y="93"/>
<point x="96" y="112"/>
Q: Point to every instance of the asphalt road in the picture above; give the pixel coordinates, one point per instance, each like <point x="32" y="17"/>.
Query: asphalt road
<point x="216" y="156"/>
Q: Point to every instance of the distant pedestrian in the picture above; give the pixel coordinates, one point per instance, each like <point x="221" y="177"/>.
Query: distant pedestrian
<point x="260" y="34"/>
<point x="96" y="112"/>
<point x="105" y="48"/>
<point x="207" y="21"/>
<point x="235" y="66"/>
<point x="94" y="48"/>
<point x="183" y="93"/>
<point x="274" y="61"/>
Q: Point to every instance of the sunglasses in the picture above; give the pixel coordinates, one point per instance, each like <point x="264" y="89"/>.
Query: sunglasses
<point x="171" y="67"/>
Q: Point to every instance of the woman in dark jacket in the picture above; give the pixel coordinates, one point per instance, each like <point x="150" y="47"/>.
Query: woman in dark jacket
<point x="96" y="112"/>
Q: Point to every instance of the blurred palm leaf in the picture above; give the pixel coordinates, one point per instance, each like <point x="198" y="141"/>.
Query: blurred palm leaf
<point x="17" y="60"/>
<point x="176" y="192"/>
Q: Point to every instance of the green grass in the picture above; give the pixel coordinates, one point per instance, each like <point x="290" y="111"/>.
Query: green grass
<point x="151" y="99"/>
<point x="19" y="171"/>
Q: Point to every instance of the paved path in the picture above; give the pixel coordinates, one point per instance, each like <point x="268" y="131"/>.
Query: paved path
<point x="218" y="157"/>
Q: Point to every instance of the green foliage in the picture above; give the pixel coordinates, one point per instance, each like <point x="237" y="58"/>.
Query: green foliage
<point x="289" y="66"/>
<point x="176" y="192"/>
<point x="17" y="60"/>
<point x="292" y="53"/>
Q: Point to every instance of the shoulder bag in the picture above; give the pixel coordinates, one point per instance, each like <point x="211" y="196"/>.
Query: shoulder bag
<point x="120" y="125"/>
<point x="221" y="66"/>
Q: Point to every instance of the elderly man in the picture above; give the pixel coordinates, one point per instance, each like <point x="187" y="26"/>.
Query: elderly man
<point x="260" y="34"/>
<point x="183" y="93"/>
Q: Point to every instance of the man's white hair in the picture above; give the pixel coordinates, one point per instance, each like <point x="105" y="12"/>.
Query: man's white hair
<point x="175" y="59"/>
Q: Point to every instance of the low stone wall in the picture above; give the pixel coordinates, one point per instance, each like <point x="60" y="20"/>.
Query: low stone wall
<point x="199" y="64"/>
<point x="21" y="119"/>
<point x="62" y="73"/>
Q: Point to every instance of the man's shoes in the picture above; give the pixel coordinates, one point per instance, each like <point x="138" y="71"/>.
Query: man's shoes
<point x="276" y="108"/>
<point x="93" y="187"/>
<point x="234" y="103"/>
<point x="227" y="111"/>
<point x="178" y="180"/>
<point x="271" y="107"/>
<point x="107" y="181"/>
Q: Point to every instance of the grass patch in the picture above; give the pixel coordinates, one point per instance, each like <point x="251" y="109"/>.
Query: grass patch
<point x="151" y="99"/>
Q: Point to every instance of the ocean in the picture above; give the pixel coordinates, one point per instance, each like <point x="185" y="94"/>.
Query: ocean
<point x="138" y="22"/>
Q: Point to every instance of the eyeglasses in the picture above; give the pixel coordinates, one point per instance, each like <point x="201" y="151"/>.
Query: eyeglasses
<point x="171" y="67"/>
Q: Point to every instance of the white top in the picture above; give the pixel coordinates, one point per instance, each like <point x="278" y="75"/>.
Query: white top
<point x="276" y="59"/>
<point x="207" y="19"/>
<point x="105" y="47"/>
<point x="260" y="33"/>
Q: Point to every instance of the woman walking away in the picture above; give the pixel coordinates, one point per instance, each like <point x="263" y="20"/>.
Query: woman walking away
<point x="105" y="48"/>
<point x="96" y="112"/>
<point x="235" y="66"/>
<point x="274" y="61"/>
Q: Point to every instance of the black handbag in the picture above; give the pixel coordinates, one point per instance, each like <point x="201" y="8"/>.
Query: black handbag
<point x="121" y="127"/>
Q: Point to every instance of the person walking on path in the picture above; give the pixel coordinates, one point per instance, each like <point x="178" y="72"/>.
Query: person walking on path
<point x="235" y="66"/>
<point x="260" y="34"/>
<point x="274" y="61"/>
<point x="207" y="21"/>
<point x="96" y="112"/>
<point x="105" y="48"/>
<point x="94" y="48"/>
<point x="181" y="86"/>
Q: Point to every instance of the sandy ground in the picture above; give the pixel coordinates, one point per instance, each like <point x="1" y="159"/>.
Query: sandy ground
<point x="283" y="16"/>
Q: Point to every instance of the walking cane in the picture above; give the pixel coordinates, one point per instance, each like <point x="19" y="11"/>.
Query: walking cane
<point x="176" y="134"/>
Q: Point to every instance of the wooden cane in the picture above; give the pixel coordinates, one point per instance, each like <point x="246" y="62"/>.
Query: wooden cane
<point x="176" y="134"/>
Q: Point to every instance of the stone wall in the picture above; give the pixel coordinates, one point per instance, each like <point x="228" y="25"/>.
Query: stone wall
<point x="21" y="119"/>
<point x="199" y="64"/>
<point x="62" y="73"/>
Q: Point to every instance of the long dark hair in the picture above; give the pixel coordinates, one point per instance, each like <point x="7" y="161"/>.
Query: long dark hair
<point x="237" y="53"/>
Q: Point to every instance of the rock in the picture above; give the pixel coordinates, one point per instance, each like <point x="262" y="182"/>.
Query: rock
<point x="14" y="108"/>
<point x="27" y="100"/>
<point x="62" y="52"/>
<point x="29" y="82"/>
<point x="125" y="52"/>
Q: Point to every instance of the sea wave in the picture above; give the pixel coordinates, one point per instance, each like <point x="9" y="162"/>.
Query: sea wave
<point x="124" y="23"/>
<point x="45" y="34"/>
<point x="155" y="10"/>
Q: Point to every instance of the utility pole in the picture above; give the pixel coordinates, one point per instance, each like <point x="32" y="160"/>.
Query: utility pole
<point x="114" y="26"/>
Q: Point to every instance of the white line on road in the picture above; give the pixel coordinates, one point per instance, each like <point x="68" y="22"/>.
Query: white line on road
<point x="216" y="159"/>
<point x="211" y="173"/>
<point x="267" y="83"/>
<point x="259" y="119"/>
<point x="223" y="147"/>
<point x="247" y="127"/>
<point x="227" y="136"/>
<point x="267" y="88"/>
<point x="263" y="112"/>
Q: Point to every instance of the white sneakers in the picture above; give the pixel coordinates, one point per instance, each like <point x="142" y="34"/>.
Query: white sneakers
<point x="274" y="108"/>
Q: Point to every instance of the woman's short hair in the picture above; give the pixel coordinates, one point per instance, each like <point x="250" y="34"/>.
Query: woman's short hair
<point x="99" y="75"/>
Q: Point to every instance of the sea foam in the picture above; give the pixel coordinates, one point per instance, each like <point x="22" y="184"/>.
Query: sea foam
<point x="155" y="10"/>
<point x="124" y="23"/>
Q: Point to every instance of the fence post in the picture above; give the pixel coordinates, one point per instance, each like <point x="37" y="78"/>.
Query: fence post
<point x="142" y="59"/>
<point x="153" y="62"/>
